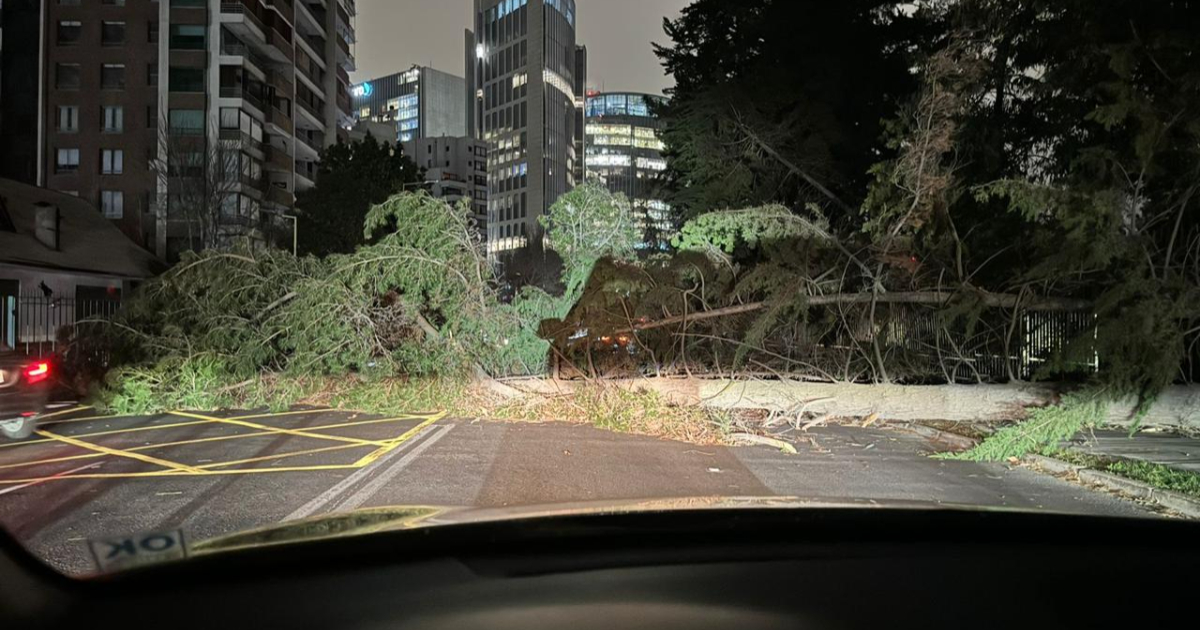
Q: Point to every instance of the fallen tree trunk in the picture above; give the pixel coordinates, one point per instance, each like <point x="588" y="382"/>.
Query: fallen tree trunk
<point x="931" y="298"/>
<point x="1178" y="407"/>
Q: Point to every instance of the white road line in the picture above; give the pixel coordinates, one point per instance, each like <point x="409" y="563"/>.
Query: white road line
<point x="414" y="445"/>
<point x="51" y="478"/>
<point x="354" y="501"/>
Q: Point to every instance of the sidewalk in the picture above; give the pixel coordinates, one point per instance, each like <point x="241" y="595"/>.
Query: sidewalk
<point x="1176" y="451"/>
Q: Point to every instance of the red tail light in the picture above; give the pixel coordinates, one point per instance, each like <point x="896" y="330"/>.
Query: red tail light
<point x="37" y="372"/>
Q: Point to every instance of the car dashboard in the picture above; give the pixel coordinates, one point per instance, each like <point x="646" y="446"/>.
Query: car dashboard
<point x="704" y="569"/>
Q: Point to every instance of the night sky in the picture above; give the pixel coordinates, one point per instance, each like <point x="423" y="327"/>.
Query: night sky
<point x="395" y="34"/>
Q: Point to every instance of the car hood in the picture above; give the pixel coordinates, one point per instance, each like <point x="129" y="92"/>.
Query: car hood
<point x="382" y="519"/>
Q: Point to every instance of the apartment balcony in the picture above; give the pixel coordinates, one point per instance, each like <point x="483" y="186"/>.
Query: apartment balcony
<point x="311" y="16"/>
<point x="281" y="83"/>
<point x="247" y="20"/>
<point x="279" y="122"/>
<point x="345" y="58"/>
<point x="250" y="59"/>
<point x="280" y="197"/>
<point x="248" y="186"/>
<point x="311" y="114"/>
<point x="282" y="44"/>
<point x="279" y="160"/>
<point x="309" y="145"/>
<point x="256" y="100"/>
<point x="306" y="176"/>
<point x="243" y="141"/>
<point x="285" y="5"/>
<point x="343" y="103"/>
<point x="314" y="74"/>
<point x="314" y="45"/>
<point x="343" y="75"/>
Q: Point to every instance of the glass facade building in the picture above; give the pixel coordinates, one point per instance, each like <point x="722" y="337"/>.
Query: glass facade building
<point x="624" y="151"/>
<point x="523" y="70"/>
<point x="421" y="102"/>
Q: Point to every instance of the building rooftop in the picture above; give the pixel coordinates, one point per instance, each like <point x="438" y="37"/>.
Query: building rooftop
<point x="88" y="243"/>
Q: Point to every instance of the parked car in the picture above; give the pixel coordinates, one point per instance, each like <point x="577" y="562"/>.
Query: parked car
<point x="25" y="385"/>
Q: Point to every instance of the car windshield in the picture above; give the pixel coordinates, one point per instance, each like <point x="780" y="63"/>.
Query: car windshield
<point x="339" y="267"/>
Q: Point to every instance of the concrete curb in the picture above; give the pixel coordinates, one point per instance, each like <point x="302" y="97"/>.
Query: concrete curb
<point x="1181" y="503"/>
<point x="1056" y="466"/>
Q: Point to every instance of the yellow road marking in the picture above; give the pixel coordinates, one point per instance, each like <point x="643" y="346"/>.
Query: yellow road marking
<point x="63" y="412"/>
<point x="267" y="458"/>
<point x="119" y="453"/>
<point x="282" y="414"/>
<point x="177" y="475"/>
<point x="270" y="429"/>
<point x="111" y="432"/>
<point x="220" y="438"/>
<point x="392" y="445"/>
<point x="175" y="469"/>
<point x="88" y="419"/>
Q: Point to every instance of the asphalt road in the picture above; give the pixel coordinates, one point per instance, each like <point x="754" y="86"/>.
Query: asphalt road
<point x="84" y="477"/>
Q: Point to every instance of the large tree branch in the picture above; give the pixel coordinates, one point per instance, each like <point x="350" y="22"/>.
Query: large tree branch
<point x="932" y="298"/>
<point x="791" y="166"/>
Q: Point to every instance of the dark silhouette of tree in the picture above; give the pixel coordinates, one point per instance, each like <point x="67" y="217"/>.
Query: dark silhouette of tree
<point x="352" y="178"/>
<point x="781" y="101"/>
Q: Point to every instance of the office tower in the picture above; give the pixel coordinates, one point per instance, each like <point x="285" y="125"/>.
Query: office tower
<point x="624" y="152"/>
<point x="422" y="102"/>
<point x="522" y="66"/>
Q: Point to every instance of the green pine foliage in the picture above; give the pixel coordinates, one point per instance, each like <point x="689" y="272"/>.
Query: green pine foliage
<point x="421" y="300"/>
<point x="1042" y="431"/>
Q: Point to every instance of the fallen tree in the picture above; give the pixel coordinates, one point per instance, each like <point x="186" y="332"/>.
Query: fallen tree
<point x="928" y="298"/>
<point x="1177" y="407"/>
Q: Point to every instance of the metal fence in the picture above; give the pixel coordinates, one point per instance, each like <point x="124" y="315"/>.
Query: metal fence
<point x="43" y="323"/>
<point x="912" y="343"/>
<point x="995" y="347"/>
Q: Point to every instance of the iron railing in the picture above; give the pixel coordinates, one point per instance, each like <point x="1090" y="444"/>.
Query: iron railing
<point x="43" y="324"/>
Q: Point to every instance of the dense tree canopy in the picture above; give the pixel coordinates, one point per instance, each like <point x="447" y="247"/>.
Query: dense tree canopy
<point x="808" y="80"/>
<point x="352" y="178"/>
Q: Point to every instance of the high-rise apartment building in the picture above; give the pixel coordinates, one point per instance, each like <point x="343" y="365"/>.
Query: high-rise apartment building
<point x="148" y="105"/>
<point x="455" y="169"/>
<point x="422" y="102"/>
<point x="522" y="67"/>
<point x="98" y="116"/>
<point x="624" y="151"/>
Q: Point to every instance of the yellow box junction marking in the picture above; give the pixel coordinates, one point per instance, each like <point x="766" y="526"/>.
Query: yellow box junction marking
<point x="119" y="453"/>
<point x="270" y="429"/>
<point x="177" y="469"/>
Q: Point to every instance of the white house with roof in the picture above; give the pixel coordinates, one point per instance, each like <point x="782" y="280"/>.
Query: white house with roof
<point x="60" y="261"/>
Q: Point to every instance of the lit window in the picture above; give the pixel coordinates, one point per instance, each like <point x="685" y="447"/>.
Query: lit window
<point x="112" y="162"/>
<point x="67" y="161"/>
<point x="609" y="130"/>
<point x="113" y="120"/>
<point x="112" y="204"/>
<point x="609" y="160"/>
<point x="68" y="119"/>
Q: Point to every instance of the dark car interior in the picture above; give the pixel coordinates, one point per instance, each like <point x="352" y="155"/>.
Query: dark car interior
<point x="744" y="569"/>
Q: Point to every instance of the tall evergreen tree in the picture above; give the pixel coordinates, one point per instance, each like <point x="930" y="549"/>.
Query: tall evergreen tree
<point x="352" y="179"/>
<point x="764" y="84"/>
